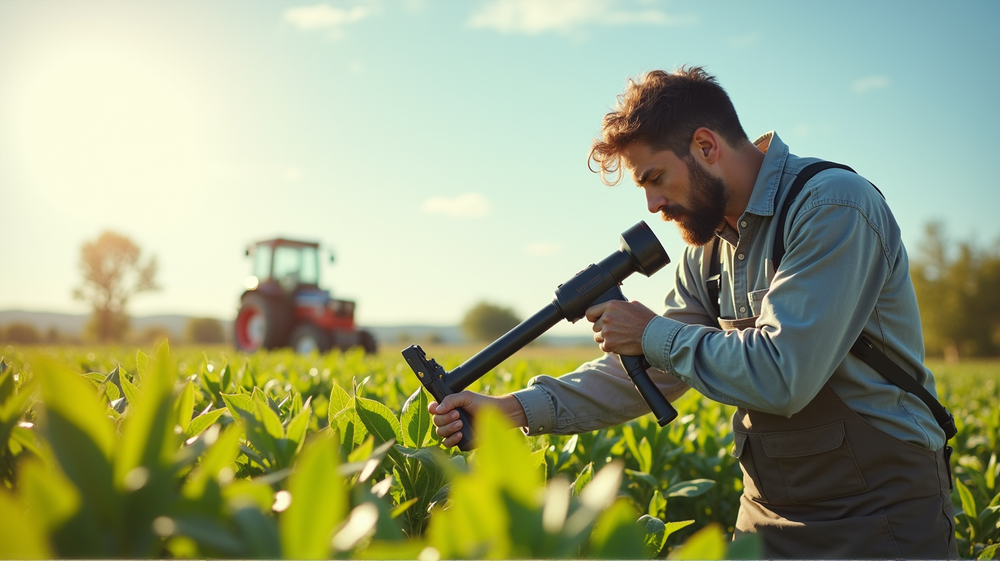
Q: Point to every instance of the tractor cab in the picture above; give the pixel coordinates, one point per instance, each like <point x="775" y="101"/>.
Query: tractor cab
<point x="283" y="304"/>
<point x="284" y="264"/>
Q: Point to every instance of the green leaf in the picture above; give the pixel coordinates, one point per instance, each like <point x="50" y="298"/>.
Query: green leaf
<point x="243" y="492"/>
<point x="270" y="420"/>
<point x="352" y="430"/>
<point x="616" y="534"/>
<point x="645" y="456"/>
<point x="6" y="382"/>
<point x="263" y="441"/>
<point x="379" y="420"/>
<point x="504" y="457"/>
<point x="319" y="502"/>
<point x="220" y="455"/>
<point x="130" y="390"/>
<point x="209" y="534"/>
<point x="184" y="406"/>
<point x="968" y="503"/>
<point x="585" y="476"/>
<point x="202" y="422"/>
<point x="991" y="472"/>
<point x="657" y="504"/>
<point x="654" y="531"/>
<point x="296" y="407"/>
<point x="115" y="379"/>
<point x="12" y="409"/>
<point x="989" y="552"/>
<point x="148" y="437"/>
<point x="48" y="493"/>
<point x="339" y="400"/>
<point x="240" y="405"/>
<point x="747" y="546"/>
<point x="225" y="378"/>
<point x="415" y="420"/>
<point x="21" y="537"/>
<point x="707" y="543"/>
<point x="297" y="427"/>
<point x="642" y="476"/>
<point x="691" y="488"/>
<point x="427" y="474"/>
<point x="258" y="532"/>
<point x="81" y="437"/>
<point x="141" y="361"/>
<point x="671" y="527"/>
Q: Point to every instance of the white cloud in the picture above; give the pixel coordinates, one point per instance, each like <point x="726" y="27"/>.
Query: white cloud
<point x="532" y="17"/>
<point x="324" y="16"/>
<point x="469" y="205"/>
<point x="541" y="249"/>
<point x="869" y="83"/>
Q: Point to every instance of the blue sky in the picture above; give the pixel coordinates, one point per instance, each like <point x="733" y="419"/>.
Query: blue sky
<point x="438" y="147"/>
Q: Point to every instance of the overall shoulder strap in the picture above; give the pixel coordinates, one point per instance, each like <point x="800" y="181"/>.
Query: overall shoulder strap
<point x="807" y="173"/>
<point x="863" y="348"/>
<point x="714" y="282"/>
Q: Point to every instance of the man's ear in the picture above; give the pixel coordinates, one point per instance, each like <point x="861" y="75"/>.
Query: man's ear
<point x="705" y="146"/>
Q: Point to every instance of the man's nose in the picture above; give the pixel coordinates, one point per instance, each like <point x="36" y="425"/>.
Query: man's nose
<point x="654" y="201"/>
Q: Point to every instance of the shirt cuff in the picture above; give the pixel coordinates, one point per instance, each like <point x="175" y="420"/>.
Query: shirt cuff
<point x="538" y="408"/>
<point x="657" y="339"/>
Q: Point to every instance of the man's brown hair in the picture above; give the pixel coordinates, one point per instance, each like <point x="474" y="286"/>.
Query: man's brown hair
<point x="664" y="109"/>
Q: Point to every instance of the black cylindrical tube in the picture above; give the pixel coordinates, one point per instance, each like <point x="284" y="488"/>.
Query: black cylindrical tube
<point x="501" y="349"/>
<point x="654" y="398"/>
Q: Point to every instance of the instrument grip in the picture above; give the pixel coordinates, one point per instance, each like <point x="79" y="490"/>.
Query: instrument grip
<point x="636" y="367"/>
<point x="466" y="443"/>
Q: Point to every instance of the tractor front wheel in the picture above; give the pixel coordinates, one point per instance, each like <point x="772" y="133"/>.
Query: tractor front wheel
<point x="307" y="338"/>
<point x="368" y="342"/>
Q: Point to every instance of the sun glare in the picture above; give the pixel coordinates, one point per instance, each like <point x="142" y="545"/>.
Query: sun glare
<point x="100" y="112"/>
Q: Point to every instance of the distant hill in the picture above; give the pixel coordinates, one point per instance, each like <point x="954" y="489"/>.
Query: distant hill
<point x="73" y="324"/>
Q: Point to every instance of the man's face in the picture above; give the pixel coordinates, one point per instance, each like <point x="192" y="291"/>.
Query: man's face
<point x="680" y="190"/>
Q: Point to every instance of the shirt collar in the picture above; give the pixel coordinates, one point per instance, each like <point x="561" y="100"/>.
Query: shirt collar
<point x="765" y="189"/>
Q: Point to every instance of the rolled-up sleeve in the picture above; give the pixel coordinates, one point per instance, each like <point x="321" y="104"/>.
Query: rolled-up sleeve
<point x="596" y="395"/>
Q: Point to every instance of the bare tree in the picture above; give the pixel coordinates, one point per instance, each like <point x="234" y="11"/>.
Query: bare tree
<point x="112" y="275"/>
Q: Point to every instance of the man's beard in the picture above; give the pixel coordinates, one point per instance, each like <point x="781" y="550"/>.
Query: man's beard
<point x="707" y="209"/>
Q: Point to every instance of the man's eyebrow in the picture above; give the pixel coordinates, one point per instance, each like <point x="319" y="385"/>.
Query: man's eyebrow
<point x="642" y="177"/>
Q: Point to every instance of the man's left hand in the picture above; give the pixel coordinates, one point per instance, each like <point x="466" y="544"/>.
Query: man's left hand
<point x="618" y="326"/>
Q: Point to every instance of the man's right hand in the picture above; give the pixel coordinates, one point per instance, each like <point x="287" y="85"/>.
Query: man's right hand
<point x="446" y="417"/>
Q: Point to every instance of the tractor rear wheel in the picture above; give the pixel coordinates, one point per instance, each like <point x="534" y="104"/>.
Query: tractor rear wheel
<point x="260" y="324"/>
<point x="307" y="338"/>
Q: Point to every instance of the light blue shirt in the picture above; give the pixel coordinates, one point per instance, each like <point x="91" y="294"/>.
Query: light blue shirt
<point x="845" y="271"/>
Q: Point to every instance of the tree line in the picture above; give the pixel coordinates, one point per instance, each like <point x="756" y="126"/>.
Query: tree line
<point x="958" y="290"/>
<point x="957" y="285"/>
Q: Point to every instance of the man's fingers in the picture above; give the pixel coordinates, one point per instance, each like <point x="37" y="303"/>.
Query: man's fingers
<point x="595" y="312"/>
<point x="445" y="412"/>
<point x="444" y="419"/>
<point x="449" y="429"/>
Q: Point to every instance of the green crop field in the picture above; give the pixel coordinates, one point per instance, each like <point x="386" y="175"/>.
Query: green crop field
<point x="189" y="452"/>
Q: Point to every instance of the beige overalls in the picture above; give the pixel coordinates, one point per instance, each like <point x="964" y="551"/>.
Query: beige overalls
<point x="824" y="483"/>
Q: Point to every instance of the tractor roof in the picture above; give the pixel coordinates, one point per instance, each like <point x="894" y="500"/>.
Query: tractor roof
<point x="285" y="241"/>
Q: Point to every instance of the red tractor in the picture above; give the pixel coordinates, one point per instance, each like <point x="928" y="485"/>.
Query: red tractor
<point x="283" y="305"/>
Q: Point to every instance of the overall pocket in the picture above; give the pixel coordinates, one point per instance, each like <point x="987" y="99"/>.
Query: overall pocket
<point x="816" y="464"/>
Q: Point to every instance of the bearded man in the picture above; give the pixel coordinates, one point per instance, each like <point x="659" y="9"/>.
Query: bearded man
<point x="787" y="291"/>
